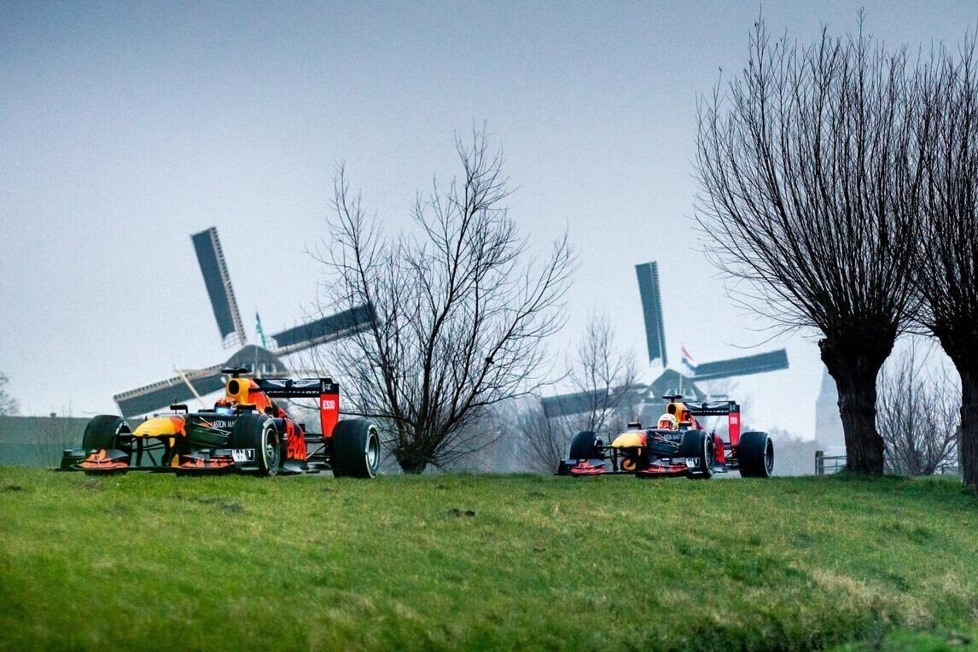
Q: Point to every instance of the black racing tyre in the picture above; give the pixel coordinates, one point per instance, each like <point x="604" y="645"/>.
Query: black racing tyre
<point x="698" y="445"/>
<point x="583" y="446"/>
<point x="258" y="432"/>
<point x="106" y="432"/>
<point x="755" y="455"/>
<point x="356" y="449"/>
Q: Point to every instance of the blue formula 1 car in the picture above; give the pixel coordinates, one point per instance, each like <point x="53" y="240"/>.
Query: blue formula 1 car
<point x="679" y="446"/>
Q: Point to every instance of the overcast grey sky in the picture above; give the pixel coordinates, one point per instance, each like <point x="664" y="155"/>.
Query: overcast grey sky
<point x="127" y="126"/>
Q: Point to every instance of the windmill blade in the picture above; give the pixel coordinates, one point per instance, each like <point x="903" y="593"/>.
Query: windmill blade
<point x="210" y="256"/>
<point x="752" y="364"/>
<point x="197" y="382"/>
<point x="648" y="288"/>
<point x="668" y="382"/>
<point x="320" y="331"/>
<point x="568" y="404"/>
<point x="590" y="401"/>
<point x="154" y="397"/>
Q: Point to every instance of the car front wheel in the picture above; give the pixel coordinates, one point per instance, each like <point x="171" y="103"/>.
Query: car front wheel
<point x="698" y="445"/>
<point x="258" y="432"/>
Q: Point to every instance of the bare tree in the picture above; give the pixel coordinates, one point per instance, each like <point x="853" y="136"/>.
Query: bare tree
<point x="460" y="310"/>
<point x="606" y="375"/>
<point x="948" y="270"/>
<point x="603" y="381"/>
<point x="544" y="442"/>
<point x="810" y="204"/>
<point x="8" y="406"/>
<point x="917" y="415"/>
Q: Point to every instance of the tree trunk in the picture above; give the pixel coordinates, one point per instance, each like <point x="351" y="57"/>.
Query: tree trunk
<point x="411" y="460"/>
<point x="854" y="365"/>
<point x="962" y="348"/>
<point x="969" y="428"/>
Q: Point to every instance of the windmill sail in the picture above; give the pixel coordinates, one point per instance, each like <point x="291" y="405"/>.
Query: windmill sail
<point x="326" y="329"/>
<point x="210" y="256"/>
<point x="196" y="382"/>
<point x="258" y="359"/>
<point x="752" y="364"/>
<point x="669" y="381"/>
<point x="648" y="288"/>
<point x="146" y="399"/>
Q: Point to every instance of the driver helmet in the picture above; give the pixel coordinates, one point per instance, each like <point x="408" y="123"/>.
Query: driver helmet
<point x="223" y="406"/>
<point x="668" y="422"/>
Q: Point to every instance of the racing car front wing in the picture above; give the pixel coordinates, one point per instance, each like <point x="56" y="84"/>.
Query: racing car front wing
<point x="684" y="467"/>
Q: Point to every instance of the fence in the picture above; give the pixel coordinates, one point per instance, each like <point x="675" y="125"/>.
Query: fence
<point x="828" y="463"/>
<point x="38" y="441"/>
<point x="835" y="463"/>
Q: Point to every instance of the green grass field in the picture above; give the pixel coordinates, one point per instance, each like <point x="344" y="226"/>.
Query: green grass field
<point x="155" y="561"/>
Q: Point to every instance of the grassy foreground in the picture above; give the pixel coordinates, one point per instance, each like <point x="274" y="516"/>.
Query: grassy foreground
<point x="154" y="561"/>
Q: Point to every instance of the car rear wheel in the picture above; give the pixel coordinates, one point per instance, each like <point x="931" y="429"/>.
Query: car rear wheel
<point x="698" y="445"/>
<point x="356" y="449"/>
<point x="583" y="446"/>
<point x="755" y="455"/>
<point x="258" y="432"/>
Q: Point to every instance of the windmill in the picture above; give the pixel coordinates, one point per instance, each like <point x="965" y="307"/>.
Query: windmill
<point x="648" y="285"/>
<point x="669" y="380"/>
<point x="261" y="360"/>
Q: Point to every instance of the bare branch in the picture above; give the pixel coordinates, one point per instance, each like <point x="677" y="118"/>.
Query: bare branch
<point x="810" y="195"/>
<point x="460" y="312"/>
<point x="947" y="276"/>
<point x="917" y="416"/>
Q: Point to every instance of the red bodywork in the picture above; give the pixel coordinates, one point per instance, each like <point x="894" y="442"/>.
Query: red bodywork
<point x="260" y="392"/>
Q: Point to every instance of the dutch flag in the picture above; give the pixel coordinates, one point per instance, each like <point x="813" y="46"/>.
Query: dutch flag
<point x="688" y="361"/>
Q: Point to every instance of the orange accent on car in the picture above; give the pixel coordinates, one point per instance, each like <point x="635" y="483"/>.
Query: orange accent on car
<point x="585" y="468"/>
<point x="245" y="391"/>
<point x="297" y="442"/>
<point x="102" y="461"/>
<point x="162" y="426"/>
<point x="216" y="462"/>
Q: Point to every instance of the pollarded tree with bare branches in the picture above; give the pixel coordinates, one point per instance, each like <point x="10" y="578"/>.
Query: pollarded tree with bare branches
<point x="948" y="255"/>
<point x="460" y="310"/>
<point x="918" y="415"/>
<point x="809" y="204"/>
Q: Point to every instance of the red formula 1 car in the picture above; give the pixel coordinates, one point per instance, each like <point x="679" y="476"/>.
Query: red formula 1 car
<point x="678" y="446"/>
<point x="246" y="431"/>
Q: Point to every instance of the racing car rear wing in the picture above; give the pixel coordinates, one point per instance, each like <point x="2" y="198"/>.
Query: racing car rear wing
<point x="259" y="391"/>
<point x="324" y="390"/>
<point x="730" y="409"/>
